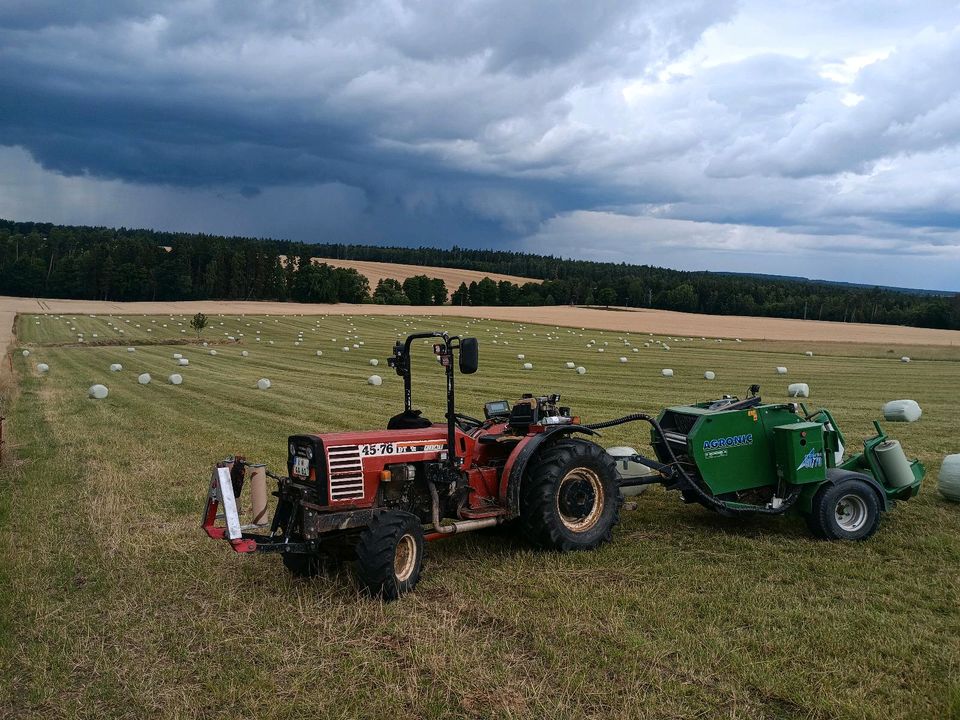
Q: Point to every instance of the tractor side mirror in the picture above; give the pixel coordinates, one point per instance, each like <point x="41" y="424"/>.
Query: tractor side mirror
<point x="469" y="355"/>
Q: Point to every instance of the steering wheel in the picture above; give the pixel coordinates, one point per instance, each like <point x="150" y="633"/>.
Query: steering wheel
<point x="465" y="422"/>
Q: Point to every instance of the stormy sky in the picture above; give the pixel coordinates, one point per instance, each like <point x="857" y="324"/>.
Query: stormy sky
<point x="816" y="138"/>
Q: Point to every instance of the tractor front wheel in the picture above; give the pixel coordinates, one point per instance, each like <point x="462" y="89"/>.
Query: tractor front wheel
<point x="390" y="554"/>
<point x="570" y="498"/>
<point x="849" y="510"/>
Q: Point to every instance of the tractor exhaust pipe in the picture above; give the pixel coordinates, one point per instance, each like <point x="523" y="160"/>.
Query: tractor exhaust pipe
<point x="460" y="526"/>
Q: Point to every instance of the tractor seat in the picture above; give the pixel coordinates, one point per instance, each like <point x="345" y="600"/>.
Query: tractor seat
<point x="408" y="420"/>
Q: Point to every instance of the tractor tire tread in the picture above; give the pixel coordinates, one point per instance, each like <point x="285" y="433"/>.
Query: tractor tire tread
<point x="376" y="549"/>
<point x="822" y="522"/>
<point x="538" y="495"/>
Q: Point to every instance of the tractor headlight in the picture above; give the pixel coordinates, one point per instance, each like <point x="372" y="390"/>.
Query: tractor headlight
<point x="309" y="453"/>
<point x="293" y="449"/>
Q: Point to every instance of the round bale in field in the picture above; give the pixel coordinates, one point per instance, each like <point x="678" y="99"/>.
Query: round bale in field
<point x="667" y="372"/>
<point x="319" y="353"/>
<point x="528" y="366"/>
<point x="116" y="367"/>
<point x="374" y="362"/>
<point x="809" y="353"/>
<point x="42" y="368"/>
<point x="175" y="379"/>
<point x="177" y="356"/>
<point x="948" y="483"/>
<point x="904" y="359"/>
<point x="581" y="370"/>
<point x="902" y="411"/>
<point x="98" y="392"/>
<point x="26" y="353"/>
<point x="570" y="365"/>
<point x="144" y="378"/>
<point x="263" y="384"/>
<point x="375" y="380"/>
<point x="244" y="353"/>
<point x="781" y="370"/>
<point x="710" y="375"/>
<point x="183" y="361"/>
<point x="213" y="352"/>
<point x="131" y="349"/>
<point x="798" y="390"/>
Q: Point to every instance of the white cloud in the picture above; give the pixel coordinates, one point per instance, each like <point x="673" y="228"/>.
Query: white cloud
<point x="768" y="132"/>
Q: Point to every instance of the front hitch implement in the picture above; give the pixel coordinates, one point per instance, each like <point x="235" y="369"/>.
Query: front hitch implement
<point x="221" y="495"/>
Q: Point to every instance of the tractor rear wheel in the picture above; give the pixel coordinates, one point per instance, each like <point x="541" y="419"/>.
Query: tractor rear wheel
<point x="570" y="498"/>
<point x="848" y="510"/>
<point x="390" y="554"/>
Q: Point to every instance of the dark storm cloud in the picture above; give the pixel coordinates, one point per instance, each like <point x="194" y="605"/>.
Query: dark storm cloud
<point x="494" y="122"/>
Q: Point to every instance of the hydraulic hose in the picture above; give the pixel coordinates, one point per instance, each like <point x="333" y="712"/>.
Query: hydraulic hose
<point x="689" y="482"/>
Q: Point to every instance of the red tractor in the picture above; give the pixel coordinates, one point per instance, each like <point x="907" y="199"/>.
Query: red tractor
<point x="376" y="496"/>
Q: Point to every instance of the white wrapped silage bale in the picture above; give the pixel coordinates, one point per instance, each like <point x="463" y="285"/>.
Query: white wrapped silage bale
<point x="902" y="411"/>
<point x="809" y="353"/>
<point x="798" y="390"/>
<point x="213" y="352"/>
<point x="948" y="482"/>
<point x="175" y="379"/>
<point x="375" y="380"/>
<point x="709" y="375"/>
<point x="623" y="359"/>
<point x="43" y="368"/>
<point x="177" y="356"/>
<point x="116" y="367"/>
<point x="144" y="378"/>
<point x="904" y="359"/>
<point x="263" y="384"/>
<point x="528" y="366"/>
<point x="319" y="353"/>
<point x="374" y="362"/>
<point x="345" y="349"/>
<point x="521" y="357"/>
<point x="131" y="349"/>
<point x="244" y="353"/>
<point x="98" y="392"/>
<point x="569" y="365"/>
<point x="667" y="372"/>
<point x="183" y="362"/>
<point x="581" y="370"/>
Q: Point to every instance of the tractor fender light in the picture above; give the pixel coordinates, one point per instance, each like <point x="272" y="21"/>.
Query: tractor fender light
<point x="386" y="476"/>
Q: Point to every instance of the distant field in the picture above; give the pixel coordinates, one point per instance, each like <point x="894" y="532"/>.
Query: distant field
<point x="113" y="603"/>
<point x="376" y="271"/>
<point x="896" y="339"/>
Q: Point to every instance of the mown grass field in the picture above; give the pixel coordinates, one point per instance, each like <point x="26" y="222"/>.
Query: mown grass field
<point x="114" y="604"/>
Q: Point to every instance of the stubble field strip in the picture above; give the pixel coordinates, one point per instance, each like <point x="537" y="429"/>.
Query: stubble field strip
<point x="119" y="606"/>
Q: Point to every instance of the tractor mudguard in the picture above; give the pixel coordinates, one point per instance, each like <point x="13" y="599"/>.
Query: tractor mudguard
<point x="517" y="464"/>
<point x="837" y="475"/>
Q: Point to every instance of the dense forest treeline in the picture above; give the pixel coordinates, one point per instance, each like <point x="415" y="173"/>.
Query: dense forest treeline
<point x="40" y="259"/>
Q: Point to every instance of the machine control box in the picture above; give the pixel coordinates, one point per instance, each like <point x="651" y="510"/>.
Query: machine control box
<point x="800" y="452"/>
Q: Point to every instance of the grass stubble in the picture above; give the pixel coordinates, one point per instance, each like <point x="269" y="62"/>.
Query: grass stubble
<point x="114" y="604"/>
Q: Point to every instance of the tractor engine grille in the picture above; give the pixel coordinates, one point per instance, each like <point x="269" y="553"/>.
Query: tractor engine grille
<point x="346" y="473"/>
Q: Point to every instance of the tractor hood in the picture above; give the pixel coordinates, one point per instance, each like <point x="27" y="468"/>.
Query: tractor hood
<point x="346" y="466"/>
